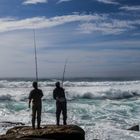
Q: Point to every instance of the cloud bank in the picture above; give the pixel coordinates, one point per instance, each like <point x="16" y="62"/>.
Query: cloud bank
<point x="84" y="23"/>
<point x="9" y="24"/>
<point x="61" y="1"/>
<point x="27" y="2"/>
<point x="108" y="2"/>
<point x="130" y="8"/>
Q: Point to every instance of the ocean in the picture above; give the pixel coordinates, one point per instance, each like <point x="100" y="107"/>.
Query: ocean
<point x="104" y="109"/>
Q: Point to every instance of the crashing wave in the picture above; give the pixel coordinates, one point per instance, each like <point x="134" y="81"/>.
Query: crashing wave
<point x="28" y="84"/>
<point x="6" y="97"/>
<point x="19" y="90"/>
<point x="110" y="94"/>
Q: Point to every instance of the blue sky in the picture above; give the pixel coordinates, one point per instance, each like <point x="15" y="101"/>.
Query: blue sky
<point x="100" y="38"/>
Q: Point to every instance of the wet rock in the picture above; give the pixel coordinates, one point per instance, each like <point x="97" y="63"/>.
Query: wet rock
<point x="49" y="132"/>
<point x="6" y="124"/>
<point x="134" y="128"/>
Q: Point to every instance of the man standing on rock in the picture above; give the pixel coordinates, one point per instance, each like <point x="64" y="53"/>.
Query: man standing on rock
<point x="61" y="103"/>
<point x="35" y="96"/>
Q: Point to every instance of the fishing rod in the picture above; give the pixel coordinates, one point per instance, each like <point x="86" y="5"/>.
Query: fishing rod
<point x="35" y="55"/>
<point x="63" y="77"/>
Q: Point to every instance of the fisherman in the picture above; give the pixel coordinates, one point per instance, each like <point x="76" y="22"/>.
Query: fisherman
<point x="35" y="96"/>
<point x="61" y="103"/>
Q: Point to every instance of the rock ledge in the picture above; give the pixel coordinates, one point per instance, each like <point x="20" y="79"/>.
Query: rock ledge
<point x="48" y="132"/>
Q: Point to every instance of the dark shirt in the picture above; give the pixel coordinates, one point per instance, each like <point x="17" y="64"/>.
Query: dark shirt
<point x="59" y="94"/>
<point x="36" y="95"/>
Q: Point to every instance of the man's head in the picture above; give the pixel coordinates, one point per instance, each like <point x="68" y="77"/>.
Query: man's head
<point x="35" y="85"/>
<point x="57" y="84"/>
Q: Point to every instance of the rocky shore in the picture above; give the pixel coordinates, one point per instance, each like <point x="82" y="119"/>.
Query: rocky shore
<point x="48" y="132"/>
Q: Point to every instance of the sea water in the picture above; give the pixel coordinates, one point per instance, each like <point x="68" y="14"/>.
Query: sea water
<point x="104" y="109"/>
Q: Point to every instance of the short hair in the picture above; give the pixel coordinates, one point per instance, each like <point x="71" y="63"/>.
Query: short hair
<point x="57" y="84"/>
<point x="35" y="84"/>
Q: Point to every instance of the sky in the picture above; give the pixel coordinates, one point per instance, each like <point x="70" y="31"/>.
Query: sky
<point x="99" y="38"/>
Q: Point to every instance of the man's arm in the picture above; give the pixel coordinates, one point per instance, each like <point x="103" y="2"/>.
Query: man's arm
<point x="30" y="98"/>
<point x="64" y="92"/>
<point x="41" y="94"/>
<point x="29" y="103"/>
<point x="54" y="95"/>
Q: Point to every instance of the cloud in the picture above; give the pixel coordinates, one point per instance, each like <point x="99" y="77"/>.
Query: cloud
<point x="108" y="26"/>
<point x="87" y="23"/>
<point x="26" y="2"/>
<point x="85" y="57"/>
<point x="9" y="24"/>
<point x="61" y="1"/>
<point x="130" y="8"/>
<point x="108" y="2"/>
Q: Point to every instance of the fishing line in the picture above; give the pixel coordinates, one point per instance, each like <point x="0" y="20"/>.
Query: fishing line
<point x="36" y="64"/>
<point x="64" y="71"/>
<point x="36" y="67"/>
<point x="35" y="55"/>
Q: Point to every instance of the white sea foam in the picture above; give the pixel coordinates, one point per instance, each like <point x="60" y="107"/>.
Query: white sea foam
<point x="74" y="95"/>
<point x="84" y="90"/>
<point x="28" y="84"/>
<point x="103" y="109"/>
